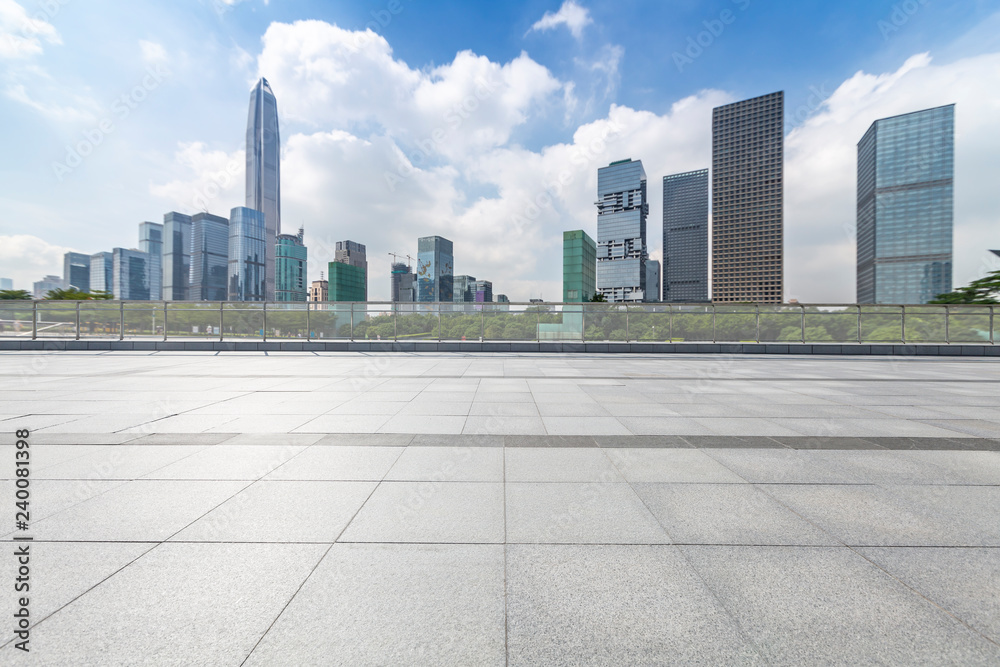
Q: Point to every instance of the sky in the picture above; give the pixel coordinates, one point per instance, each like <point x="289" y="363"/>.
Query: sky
<point x="481" y="122"/>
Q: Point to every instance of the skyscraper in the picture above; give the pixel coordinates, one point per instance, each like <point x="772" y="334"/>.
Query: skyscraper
<point x="906" y="186"/>
<point x="483" y="290"/>
<point x="747" y="200"/>
<point x="435" y="269"/>
<point x="209" y="258"/>
<point x="176" y="256"/>
<point x="579" y="267"/>
<point x="46" y="285"/>
<point x="463" y="289"/>
<point x="404" y="283"/>
<point x="353" y="254"/>
<point x="151" y="243"/>
<point x="290" y="268"/>
<point x="135" y="276"/>
<point x="347" y="282"/>
<point x="76" y="271"/>
<point x="652" y="280"/>
<point x="622" y="208"/>
<point x="263" y="171"/>
<point x="102" y="272"/>
<point x="248" y="270"/>
<point x="319" y="290"/>
<point x="685" y="237"/>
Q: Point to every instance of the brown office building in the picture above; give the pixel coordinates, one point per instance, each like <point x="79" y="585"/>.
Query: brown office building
<point x="747" y="200"/>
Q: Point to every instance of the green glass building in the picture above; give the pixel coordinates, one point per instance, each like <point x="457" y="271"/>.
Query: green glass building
<point x="290" y="268"/>
<point x="579" y="267"/>
<point x="347" y="283"/>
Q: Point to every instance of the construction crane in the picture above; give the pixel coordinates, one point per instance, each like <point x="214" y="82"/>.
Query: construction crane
<point x="395" y="255"/>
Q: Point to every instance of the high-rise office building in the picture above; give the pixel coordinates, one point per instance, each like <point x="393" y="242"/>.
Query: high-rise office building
<point x="622" y="252"/>
<point x="748" y="149"/>
<point x="483" y="291"/>
<point x="579" y="267"/>
<point x="42" y="287"/>
<point x="354" y="254"/>
<point x="76" y="271"/>
<point x="263" y="171"/>
<point x="151" y="243"/>
<point x="404" y="284"/>
<point x="319" y="290"/>
<point x="502" y="298"/>
<point x="248" y="270"/>
<point x="6" y="284"/>
<point x="685" y="237"/>
<point x="652" y="280"/>
<point x="435" y="269"/>
<point x="102" y="273"/>
<point x="135" y="275"/>
<point x="176" y="256"/>
<point x="290" y="260"/>
<point x="209" y="270"/>
<point x="347" y="282"/>
<point x="463" y="289"/>
<point x="906" y="186"/>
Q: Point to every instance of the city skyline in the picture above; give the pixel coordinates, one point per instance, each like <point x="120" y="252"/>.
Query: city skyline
<point x="827" y="109"/>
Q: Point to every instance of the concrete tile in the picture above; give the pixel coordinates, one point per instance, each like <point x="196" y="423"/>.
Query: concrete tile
<point x="727" y="514"/>
<point x="613" y="605"/>
<point x="493" y="425"/>
<point x="664" y="426"/>
<point x="263" y="423"/>
<point x="671" y="465"/>
<point x="640" y="410"/>
<point x="559" y="464"/>
<point x="584" y="426"/>
<point x="442" y="512"/>
<point x="339" y="463"/>
<point x="556" y="409"/>
<point x="449" y="464"/>
<point x="275" y="439"/>
<point x="213" y="601"/>
<point x="917" y="467"/>
<point x="119" y="462"/>
<point x="781" y="466"/>
<point x="181" y="439"/>
<point x="184" y="424"/>
<point x="344" y="424"/>
<point x="482" y="408"/>
<point x="430" y="409"/>
<point x="744" y="426"/>
<point x="816" y="605"/>
<point x="49" y="497"/>
<point x="363" y="406"/>
<point x="282" y="512"/>
<point x="423" y="424"/>
<point x="395" y="604"/>
<point x="579" y="513"/>
<point x="965" y="582"/>
<point x="143" y="510"/>
<point x="225" y="461"/>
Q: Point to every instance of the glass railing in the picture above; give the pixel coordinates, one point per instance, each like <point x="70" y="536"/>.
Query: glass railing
<point x="529" y="322"/>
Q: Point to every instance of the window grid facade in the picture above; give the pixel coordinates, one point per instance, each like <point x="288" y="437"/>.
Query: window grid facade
<point x="247" y="255"/>
<point x="76" y="271"/>
<point x="176" y="256"/>
<point x="622" y="208"/>
<point x="435" y="269"/>
<point x="579" y="267"/>
<point x="151" y="243"/>
<point x="290" y="268"/>
<point x="905" y="207"/>
<point x="747" y="201"/>
<point x="685" y="237"/>
<point x="347" y="282"/>
<point x="263" y="169"/>
<point x="209" y="258"/>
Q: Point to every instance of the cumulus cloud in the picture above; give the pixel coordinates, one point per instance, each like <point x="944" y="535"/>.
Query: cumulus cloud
<point x="21" y="36"/>
<point x="214" y="180"/>
<point x="25" y="259"/>
<point x="153" y="53"/>
<point x="571" y="15"/>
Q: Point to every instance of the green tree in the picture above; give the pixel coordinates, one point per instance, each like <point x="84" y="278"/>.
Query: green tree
<point x="598" y="298"/>
<point x="985" y="290"/>
<point x="73" y="294"/>
<point x="15" y="295"/>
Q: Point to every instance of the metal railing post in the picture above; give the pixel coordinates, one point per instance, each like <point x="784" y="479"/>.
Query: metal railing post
<point x="439" y="321"/>
<point x="583" y="323"/>
<point x="714" y="322"/>
<point x="670" y="324"/>
<point x="121" y="320"/>
<point x="947" y="330"/>
<point x="803" y="308"/>
<point x="859" y="324"/>
<point x="164" y="321"/>
<point x="309" y="334"/>
<point x="992" y="337"/>
<point x="902" y="326"/>
<point x="482" y="325"/>
<point x="757" y="319"/>
<point x="352" y="322"/>
<point x="628" y="336"/>
<point x="78" y="320"/>
<point x="221" y="318"/>
<point x="395" y="323"/>
<point x="34" y="320"/>
<point x="263" y="329"/>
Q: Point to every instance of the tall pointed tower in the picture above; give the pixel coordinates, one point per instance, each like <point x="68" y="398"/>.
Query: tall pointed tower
<point x="264" y="170"/>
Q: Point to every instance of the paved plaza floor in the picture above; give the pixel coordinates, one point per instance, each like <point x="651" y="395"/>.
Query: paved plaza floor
<point x="477" y="509"/>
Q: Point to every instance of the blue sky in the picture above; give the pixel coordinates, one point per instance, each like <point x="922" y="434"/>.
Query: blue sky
<point x="350" y="115"/>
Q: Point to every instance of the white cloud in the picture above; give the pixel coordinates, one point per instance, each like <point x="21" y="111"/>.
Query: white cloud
<point x="153" y="53"/>
<point x="215" y="180"/>
<point x="21" y="36"/>
<point x="571" y="15"/>
<point x="25" y="259"/>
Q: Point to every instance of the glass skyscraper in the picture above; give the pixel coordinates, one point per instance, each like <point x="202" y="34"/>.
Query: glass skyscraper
<point x="463" y="289"/>
<point x="483" y="290"/>
<point x="102" y="272"/>
<point x="347" y="282"/>
<point x="151" y="243"/>
<point x="435" y="269"/>
<point x="290" y="268"/>
<point x="579" y="267"/>
<point x="76" y="271"/>
<point x="354" y="254"/>
<point x="209" y="258"/>
<point x="176" y="256"/>
<point x="685" y="237"/>
<point x="748" y="149"/>
<point x="247" y="255"/>
<point x="906" y="186"/>
<point x="135" y="275"/>
<point x="263" y="171"/>
<point x="652" y="280"/>
<point x="622" y="208"/>
<point x="404" y="283"/>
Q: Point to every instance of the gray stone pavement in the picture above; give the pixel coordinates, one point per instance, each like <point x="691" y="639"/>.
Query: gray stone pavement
<point x="482" y="509"/>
